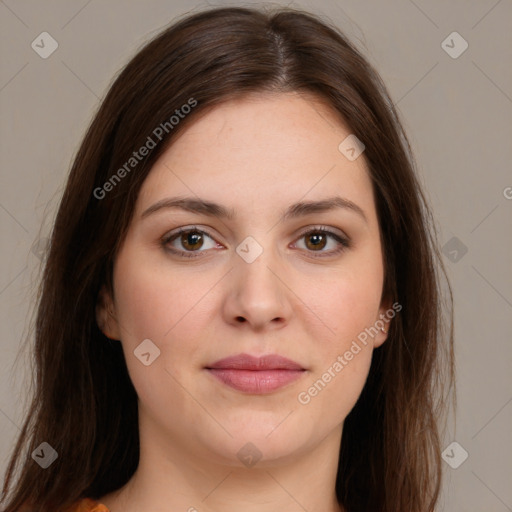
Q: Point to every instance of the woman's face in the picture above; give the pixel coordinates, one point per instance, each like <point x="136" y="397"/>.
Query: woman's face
<point x="252" y="283"/>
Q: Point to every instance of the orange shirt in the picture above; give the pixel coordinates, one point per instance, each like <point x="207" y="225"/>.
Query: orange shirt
<point x="89" y="505"/>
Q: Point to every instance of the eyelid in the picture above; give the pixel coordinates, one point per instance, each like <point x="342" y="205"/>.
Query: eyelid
<point x="323" y="228"/>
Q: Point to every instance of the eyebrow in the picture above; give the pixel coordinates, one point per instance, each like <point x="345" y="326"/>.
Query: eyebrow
<point x="211" y="209"/>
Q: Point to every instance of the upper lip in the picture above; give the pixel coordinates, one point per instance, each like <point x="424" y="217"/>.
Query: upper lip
<point x="248" y="362"/>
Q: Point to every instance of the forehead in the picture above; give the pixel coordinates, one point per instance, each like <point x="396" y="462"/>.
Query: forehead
<point x="262" y="149"/>
<point x="284" y="125"/>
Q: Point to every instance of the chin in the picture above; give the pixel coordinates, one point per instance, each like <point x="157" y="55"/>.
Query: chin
<point x="260" y="441"/>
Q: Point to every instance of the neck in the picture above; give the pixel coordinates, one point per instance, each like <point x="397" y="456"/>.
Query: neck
<point x="176" y="479"/>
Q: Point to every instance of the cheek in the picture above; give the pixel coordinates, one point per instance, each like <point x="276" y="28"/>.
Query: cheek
<point x="174" y="311"/>
<point x="343" y="359"/>
<point x="347" y="301"/>
<point x="335" y="384"/>
<point x="164" y="310"/>
<point x="154" y="304"/>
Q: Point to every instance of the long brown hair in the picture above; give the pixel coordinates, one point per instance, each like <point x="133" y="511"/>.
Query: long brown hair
<point x="85" y="405"/>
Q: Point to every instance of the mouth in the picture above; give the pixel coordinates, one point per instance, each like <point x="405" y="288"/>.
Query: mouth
<point x="256" y="375"/>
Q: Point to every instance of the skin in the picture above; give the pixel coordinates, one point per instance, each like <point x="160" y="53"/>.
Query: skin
<point x="256" y="155"/>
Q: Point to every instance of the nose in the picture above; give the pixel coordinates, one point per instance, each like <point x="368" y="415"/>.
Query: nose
<point x="257" y="295"/>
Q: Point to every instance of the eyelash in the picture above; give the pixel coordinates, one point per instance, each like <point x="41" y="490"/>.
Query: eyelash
<point x="344" y="242"/>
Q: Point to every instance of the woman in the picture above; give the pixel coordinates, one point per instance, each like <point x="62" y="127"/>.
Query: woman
<point x="241" y="305"/>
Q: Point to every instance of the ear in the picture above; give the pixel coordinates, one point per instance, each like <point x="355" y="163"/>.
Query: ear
<point x="105" y="316"/>
<point x="384" y="319"/>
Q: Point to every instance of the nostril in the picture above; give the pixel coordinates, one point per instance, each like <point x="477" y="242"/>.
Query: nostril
<point x="240" y="319"/>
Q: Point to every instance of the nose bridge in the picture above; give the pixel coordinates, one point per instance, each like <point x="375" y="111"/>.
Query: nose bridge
<point x="257" y="293"/>
<point x="253" y="271"/>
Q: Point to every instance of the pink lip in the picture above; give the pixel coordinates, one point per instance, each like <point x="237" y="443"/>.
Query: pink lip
<point x="258" y="375"/>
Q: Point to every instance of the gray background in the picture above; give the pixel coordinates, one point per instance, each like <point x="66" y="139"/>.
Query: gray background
<point x="457" y="112"/>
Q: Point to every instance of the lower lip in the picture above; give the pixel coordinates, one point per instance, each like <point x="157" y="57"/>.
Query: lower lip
<point x="256" y="381"/>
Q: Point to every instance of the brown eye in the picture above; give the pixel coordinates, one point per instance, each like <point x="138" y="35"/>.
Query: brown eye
<point x="189" y="242"/>
<point x="316" y="241"/>
<point x="192" y="240"/>
<point x="321" y="242"/>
